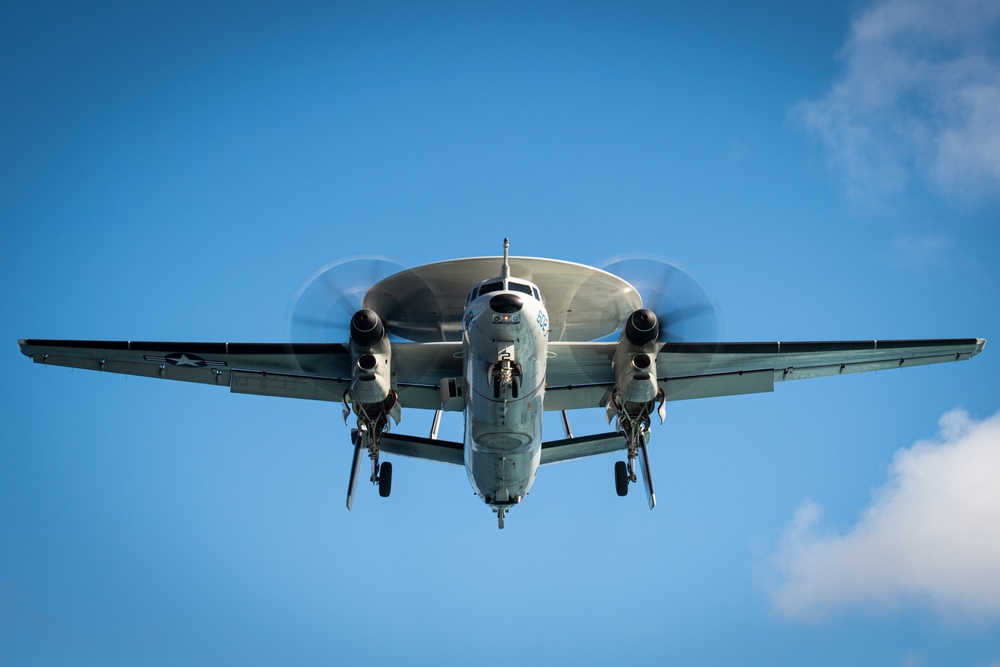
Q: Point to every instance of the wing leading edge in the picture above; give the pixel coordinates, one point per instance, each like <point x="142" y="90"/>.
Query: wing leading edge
<point x="579" y="374"/>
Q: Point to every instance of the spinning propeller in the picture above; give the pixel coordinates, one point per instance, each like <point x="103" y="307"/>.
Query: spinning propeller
<point x="413" y="302"/>
<point x="322" y="307"/>
<point x="684" y="310"/>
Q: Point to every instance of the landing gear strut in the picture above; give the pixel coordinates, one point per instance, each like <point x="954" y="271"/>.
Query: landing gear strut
<point x="633" y="422"/>
<point x="373" y="421"/>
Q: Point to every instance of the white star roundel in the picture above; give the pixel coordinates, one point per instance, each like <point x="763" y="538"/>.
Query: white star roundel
<point x="185" y="359"/>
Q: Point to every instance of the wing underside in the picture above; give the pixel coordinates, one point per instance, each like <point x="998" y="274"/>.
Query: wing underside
<point x="580" y="376"/>
<point x="316" y="371"/>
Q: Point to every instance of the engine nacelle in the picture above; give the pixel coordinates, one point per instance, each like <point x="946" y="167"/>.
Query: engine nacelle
<point x="367" y="328"/>
<point x="641" y="328"/>
<point x="371" y="356"/>
<point x="634" y="362"/>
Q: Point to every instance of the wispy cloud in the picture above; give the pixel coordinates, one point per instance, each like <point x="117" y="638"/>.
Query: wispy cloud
<point x="923" y="251"/>
<point x="918" y="99"/>
<point x="931" y="535"/>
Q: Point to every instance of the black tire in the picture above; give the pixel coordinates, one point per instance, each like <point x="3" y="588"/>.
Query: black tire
<point x="385" y="479"/>
<point x="621" y="478"/>
<point x="496" y="386"/>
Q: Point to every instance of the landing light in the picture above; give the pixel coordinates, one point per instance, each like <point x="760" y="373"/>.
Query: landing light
<point x="513" y="318"/>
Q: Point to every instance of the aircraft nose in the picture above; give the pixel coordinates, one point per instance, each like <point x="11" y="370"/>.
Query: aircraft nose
<point x="506" y="303"/>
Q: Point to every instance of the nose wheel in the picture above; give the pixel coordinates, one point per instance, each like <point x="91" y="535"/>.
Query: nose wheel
<point x="506" y="376"/>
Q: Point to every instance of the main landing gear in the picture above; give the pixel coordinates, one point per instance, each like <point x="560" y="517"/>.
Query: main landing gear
<point x="625" y="473"/>
<point x="621" y="478"/>
<point x="633" y="422"/>
<point x="384" y="479"/>
<point x="381" y="474"/>
<point x="373" y="421"/>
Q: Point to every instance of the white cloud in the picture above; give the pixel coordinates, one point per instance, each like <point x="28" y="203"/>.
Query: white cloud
<point x="930" y="537"/>
<point x="919" y="96"/>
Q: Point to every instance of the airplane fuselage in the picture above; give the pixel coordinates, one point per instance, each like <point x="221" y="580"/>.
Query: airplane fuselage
<point x="505" y="343"/>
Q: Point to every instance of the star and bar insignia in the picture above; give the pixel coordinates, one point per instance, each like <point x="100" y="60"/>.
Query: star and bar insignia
<point x="183" y="359"/>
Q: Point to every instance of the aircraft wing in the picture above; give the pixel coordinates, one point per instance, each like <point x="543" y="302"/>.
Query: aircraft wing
<point x="317" y="371"/>
<point x="580" y="375"/>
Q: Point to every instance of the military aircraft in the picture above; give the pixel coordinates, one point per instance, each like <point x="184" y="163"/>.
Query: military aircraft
<point x="503" y="348"/>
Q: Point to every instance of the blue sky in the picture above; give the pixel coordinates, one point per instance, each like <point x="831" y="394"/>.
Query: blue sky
<point x="827" y="170"/>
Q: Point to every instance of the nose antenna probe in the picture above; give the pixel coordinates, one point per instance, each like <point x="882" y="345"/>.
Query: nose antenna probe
<point x="505" y="267"/>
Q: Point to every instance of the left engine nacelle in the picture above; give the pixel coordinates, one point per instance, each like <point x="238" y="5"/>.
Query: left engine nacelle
<point x="634" y="362"/>
<point x="371" y="356"/>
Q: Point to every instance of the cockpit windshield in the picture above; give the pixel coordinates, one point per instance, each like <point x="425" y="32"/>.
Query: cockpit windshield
<point x="498" y="286"/>
<point x="492" y="287"/>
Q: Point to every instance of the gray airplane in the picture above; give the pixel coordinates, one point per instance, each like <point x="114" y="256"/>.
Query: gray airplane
<point x="503" y="349"/>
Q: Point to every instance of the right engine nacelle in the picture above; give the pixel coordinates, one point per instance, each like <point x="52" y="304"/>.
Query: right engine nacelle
<point x="371" y="356"/>
<point x="634" y="362"/>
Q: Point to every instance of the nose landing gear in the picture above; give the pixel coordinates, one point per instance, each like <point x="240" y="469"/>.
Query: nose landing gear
<point x="505" y="375"/>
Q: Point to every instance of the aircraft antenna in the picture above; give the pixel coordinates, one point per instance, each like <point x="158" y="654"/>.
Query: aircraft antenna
<point x="505" y="267"/>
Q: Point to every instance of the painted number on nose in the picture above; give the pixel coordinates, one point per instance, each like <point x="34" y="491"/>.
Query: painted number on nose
<point x="543" y="320"/>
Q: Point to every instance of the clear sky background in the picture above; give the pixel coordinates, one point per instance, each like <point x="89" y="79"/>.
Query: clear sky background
<point x="174" y="172"/>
